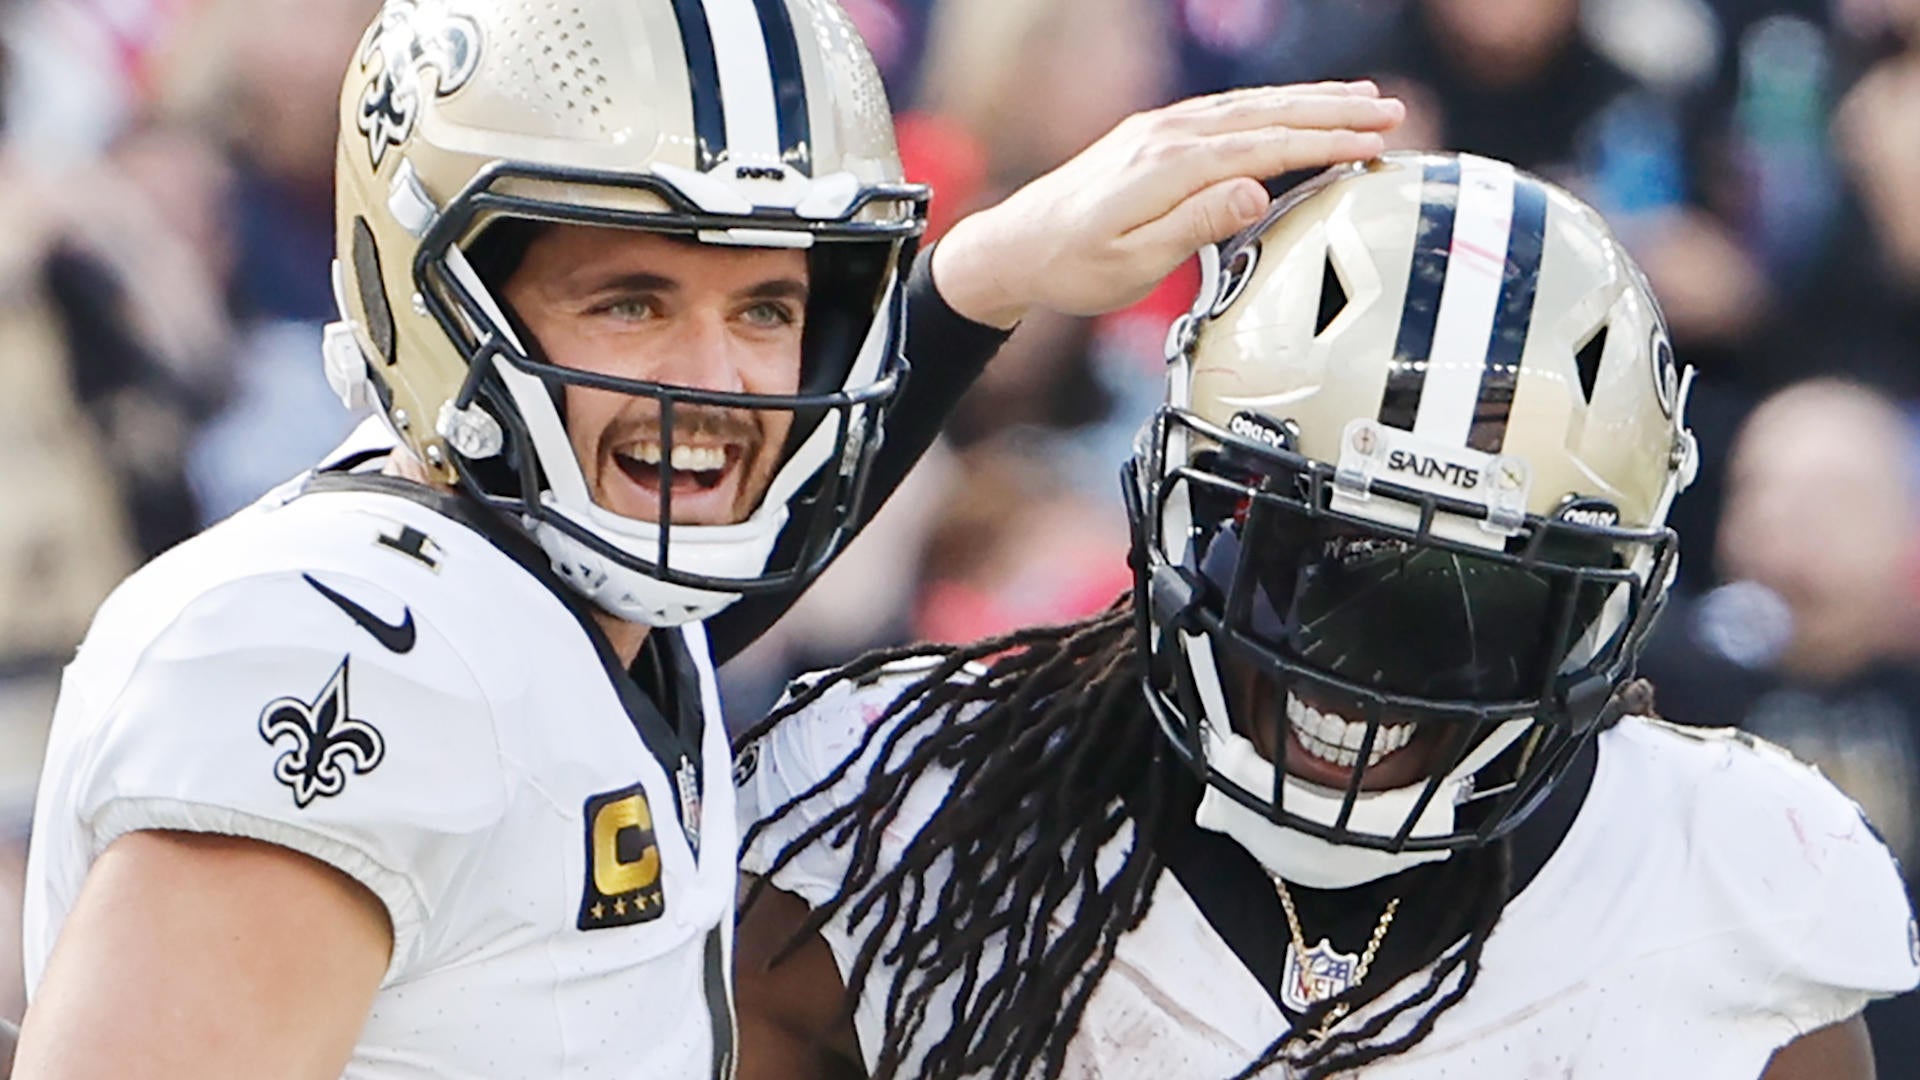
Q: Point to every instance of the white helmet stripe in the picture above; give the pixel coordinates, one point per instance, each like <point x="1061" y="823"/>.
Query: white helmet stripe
<point x="746" y="82"/>
<point x="1483" y="224"/>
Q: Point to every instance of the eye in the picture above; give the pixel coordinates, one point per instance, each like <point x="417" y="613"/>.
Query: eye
<point x="770" y="314"/>
<point x="629" y="308"/>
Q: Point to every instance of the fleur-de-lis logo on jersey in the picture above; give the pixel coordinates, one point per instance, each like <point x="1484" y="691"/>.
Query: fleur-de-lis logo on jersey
<point x="417" y="46"/>
<point x="327" y="741"/>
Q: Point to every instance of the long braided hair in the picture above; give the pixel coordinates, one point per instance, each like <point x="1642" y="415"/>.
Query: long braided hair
<point x="1052" y="751"/>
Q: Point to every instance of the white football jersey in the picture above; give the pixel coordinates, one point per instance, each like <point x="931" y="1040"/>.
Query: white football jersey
<point x="354" y="675"/>
<point x="1713" y="900"/>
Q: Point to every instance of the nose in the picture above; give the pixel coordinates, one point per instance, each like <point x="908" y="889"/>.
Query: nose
<point x="701" y="354"/>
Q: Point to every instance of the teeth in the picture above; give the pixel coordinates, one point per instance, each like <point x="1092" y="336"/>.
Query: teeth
<point x="689" y="458"/>
<point x="699" y="458"/>
<point x="1331" y="739"/>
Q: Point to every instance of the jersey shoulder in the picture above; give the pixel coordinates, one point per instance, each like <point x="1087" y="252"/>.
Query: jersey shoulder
<point x="1805" y="883"/>
<point x="822" y="758"/>
<point x="309" y="674"/>
<point x="361" y="571"/>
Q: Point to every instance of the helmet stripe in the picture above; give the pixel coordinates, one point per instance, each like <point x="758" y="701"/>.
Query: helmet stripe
<point x="703" y="75"/>
<point x="746" y="82"/>
<point x="1463" y="328"/>
<point x="789" y="84"/>
<point x="1432" y="250"/>
<point x="1512" y="318"/>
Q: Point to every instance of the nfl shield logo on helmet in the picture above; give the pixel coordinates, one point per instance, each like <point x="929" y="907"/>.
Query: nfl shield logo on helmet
<point x="1318" y="974"/>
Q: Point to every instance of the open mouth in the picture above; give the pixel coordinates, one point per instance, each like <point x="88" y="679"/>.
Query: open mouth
<point x="1324" y="749"/>
<point x="707" y="480"/>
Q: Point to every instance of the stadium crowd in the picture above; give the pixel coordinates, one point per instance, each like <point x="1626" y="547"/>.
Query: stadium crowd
<point x="165" y="189"/>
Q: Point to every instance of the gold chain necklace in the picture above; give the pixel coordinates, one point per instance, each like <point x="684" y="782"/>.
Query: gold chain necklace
<point x="1315" y="975"/>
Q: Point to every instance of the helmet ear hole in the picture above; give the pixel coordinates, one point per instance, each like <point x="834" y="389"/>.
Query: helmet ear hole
<point x="1587" y="359"/>
<point x="1333" y="298"/>
<point x="373" y="292"/>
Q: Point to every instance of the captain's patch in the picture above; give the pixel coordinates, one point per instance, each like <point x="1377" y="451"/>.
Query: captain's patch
<point x="623" y="862"/>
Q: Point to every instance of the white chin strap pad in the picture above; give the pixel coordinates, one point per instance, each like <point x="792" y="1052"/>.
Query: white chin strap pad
<point x="638" y="597"/>
<point x="1309" y="860"/>
<point x="1296" y="856"/>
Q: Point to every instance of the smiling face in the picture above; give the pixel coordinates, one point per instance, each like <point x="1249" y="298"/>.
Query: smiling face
<point x="654" y="308"/>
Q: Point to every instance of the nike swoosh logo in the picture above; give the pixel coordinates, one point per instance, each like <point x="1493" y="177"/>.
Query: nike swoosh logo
<point x="397" y="638"/>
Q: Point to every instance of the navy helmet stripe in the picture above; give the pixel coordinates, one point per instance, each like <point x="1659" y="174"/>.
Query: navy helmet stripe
<point x="789" y="85"/>
<point x="1432" y="250"/>
<point x="703" y="76"/>
<point x="1513" y="317"/>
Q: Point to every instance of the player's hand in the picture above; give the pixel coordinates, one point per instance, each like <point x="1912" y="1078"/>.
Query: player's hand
<point x="1099" y="232"/>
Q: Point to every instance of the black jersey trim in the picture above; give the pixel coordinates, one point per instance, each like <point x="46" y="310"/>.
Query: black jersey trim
<point x="1237" y="899"/>
<point x="720" y="1006"/>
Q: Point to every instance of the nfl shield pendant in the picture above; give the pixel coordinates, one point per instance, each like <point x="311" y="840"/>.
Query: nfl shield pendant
<point x="1322" y="972"/>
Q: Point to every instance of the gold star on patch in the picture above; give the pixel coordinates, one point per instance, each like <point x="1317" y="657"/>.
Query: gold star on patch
<point x="619" y="907"/>
<point x="599" y="910"/>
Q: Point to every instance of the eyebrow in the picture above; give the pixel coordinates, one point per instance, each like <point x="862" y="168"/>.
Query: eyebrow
<point x="785" y="288"/>
<point x="780" y="289"/>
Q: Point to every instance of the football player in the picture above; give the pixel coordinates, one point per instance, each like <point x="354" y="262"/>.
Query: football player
<point x="415" y="768"/>
<point x="1357" y="782"/>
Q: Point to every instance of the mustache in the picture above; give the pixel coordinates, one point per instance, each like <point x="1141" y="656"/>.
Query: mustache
<point x="706" y="423"/>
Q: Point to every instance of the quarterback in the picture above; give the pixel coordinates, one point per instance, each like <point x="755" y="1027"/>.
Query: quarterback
<point x="415" y="768"/>
<point x="1357" y="782"/>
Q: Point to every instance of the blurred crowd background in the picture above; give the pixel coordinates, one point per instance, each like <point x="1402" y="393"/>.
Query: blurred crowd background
<point x="165" y="235"/>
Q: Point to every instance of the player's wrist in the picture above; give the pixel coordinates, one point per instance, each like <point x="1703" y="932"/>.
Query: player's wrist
<point x="967" y="266"/>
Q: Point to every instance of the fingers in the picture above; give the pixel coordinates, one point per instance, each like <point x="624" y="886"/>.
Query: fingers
<point x="1172" y="154"/>
<point x="1209" y="217"/>
<point x="1228" y="98"/>
<point x="1173" y="172"/>
<point x="1295" y="111"/>
<point x="1103" y="229"/>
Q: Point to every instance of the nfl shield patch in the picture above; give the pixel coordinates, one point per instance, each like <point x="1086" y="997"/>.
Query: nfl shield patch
<point x="1322" y="972"/>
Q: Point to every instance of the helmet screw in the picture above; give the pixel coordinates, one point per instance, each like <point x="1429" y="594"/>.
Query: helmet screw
<point x="1366" y="441"/>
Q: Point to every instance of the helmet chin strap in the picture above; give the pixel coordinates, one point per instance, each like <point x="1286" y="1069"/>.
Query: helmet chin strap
<point x="1294" y="855"/>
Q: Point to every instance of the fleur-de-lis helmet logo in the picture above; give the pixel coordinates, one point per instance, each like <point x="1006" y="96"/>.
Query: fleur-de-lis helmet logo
<point x="327" y="741"/>
<point x="416" y="46"/>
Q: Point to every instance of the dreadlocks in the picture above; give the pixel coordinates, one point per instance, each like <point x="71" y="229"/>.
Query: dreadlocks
<point x="1053" y="752"/>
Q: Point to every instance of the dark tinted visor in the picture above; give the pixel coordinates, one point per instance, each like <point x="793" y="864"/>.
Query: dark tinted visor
<point x="1415" y="619"/>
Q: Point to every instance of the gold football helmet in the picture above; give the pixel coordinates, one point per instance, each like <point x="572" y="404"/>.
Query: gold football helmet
<point x="735" y="122"/>
<point x="1401" y="524"/>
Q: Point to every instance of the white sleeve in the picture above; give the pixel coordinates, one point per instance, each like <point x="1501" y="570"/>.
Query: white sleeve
<point x="804" y="750"/>
<point x="1827" y="925"/>
<point x="783" y="765"/>
<point x="262" y="711"/>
